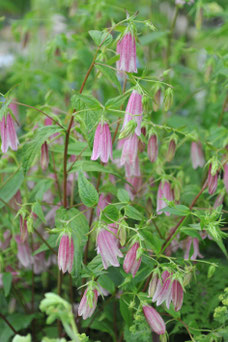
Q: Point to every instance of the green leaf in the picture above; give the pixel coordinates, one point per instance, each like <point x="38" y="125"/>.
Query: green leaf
<point x="179" y="210"/>
<point x="89" y="101"/>
<point x="109" y="74"/>
<point x="124" y="310"/>
<point x="79" y="229"/>
<point x="19" y="338"/>
<point x="133" y="213"/>
<point x="117" y="101"/>
<point x="87" y="191"/>
<point x="32" y="148"/>
<point x="106" y="283"/>
<point x="100" y="37"/>
<point x="90" y="166"/>
<point x="123" y="195"/>
<point x="110" y="214"/>
<point x="37" y="209"/>
<point x="7" y="282"/>
<point x="10" y="187"/>
<point x="51" y="241"/>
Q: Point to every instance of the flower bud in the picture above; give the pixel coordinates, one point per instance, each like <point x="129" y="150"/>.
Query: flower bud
<point x="152" y="148"/>
<point x="44" y="156"/>
<point x="168" y="100"/>
<point x="154" y="320"/>
<point x="171" y="150"/>
<point x="126" y="48"/>
<point x="152" y="285"/>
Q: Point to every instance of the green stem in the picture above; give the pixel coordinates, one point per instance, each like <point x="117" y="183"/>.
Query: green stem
<point x="170" y="37"/>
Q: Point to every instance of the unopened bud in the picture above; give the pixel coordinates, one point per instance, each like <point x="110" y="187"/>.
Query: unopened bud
<point x="168" y="101"/>
<point x="122" y="233"/>
<point x="171" y="150"/>
<point x="152" y="285"/>
<point x="44" y="160"/>
<point x="211" y="271"/>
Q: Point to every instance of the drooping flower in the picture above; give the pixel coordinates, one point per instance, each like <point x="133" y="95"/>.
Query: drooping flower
<point x="24" y="252"/>
<point x="152" y="148"/>
<point x="102" y="145"/>
<point x="66" y="254"/>
<point x="23" y="229"/>
<point x="104" y="200"/>
<point x="164" y="191"/>
<point x="126" y="48"/>
<point x="87" y="308"/>
<point x="153" y="285"/>
<point x="171" y="150"/>
<point x="177" y="295"/>
<point x="196" y="251"/>
<point x="197" y="155"/>
<point x="212" y="181"/>
<point x="130" y="150"/>
<point x="134" y="111"/>
<point x="225" y="177"/>
<point x="154" y="320"/>
<point x="132" y="169"/>
<point x="136" y="183"/>
<point x="8" y="134"/>
<point x="108" y="249"/>
<point x="131" y="263"/>
<point x="44" y="160"/>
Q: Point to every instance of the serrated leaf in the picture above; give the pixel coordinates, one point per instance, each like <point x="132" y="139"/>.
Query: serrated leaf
<point x="37" y="209"/>
<point x="123" y="195"/>
<point x="110" y="214"/>
<point x="124" y="310"/>
<point x="89" y="101"/>
<point x="90" y="166"/>
<point x="110" y="74"/>
<point x="7" y="282"/>
<point x="32" y="148"/>
<point x="106" y="283"/>
<point x="133" y="213"/>
<point x="100" y="37"/>
<point x="87" y="191"/>
<point x="11" y="186"/>
<point x="117" y="101"/>
<point x="179" y="210"/>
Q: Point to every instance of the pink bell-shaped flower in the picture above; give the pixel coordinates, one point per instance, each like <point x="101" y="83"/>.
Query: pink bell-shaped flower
<point x="134" y="111"/>
<point x="131" y="264"/>
<point x="212" y="181"/>
<point x="152" y="148"/>
<point x="197" y="155"/>
<point x="171" y="150"/>
<point x="86" y="309"/>
<point x="130" y="150"/>
<point x="196" y="251"/>
<point x="44" y="160"/>
<point x="126" y="48"/>
<point x="104" y="200"/>
<point x="8" y="134"/>
<point x="154" y="320"/>
<point x="102" y="145"/>
<point x="66" y="254"/>
<point x="177" y="295"/>
<point x="24" y="252"/>
<point x="107" y="247"/>
<point x="225" y="177"/>
<point x="164" y="191"/>
<point x="132" y="169"/>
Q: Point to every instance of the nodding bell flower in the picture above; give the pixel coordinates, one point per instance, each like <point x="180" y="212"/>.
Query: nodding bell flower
<point x="8" y="134"/>
<point x="126" y="48"/>
<point x="24" y="252"/>
<point x="164" y="191"/>
<point x="197" y="155"/>
<point x="23" y="229"/>
<point x="154" y="320"/>
<point x="107" y="247"/>
<point x="87" y="305"/>
<point x="133" y="169"/>
<point x="152" y="148"/>
<point x="136" y="183"/>
<point x="131" y="264"/>
<point x="196" y="251"/>
<point x="130" y="150"/>
<point x="102" y="145"/>
<point x="225" y="177"/>
<point x="66" y="253"/>
<point x="152" y="285"/>
<point x="171" y="150"/>
<point x="212" y="181"/>
<point x="44" y="160"/>
<point x="134" y="111"/>
<point x="168" y="290"/>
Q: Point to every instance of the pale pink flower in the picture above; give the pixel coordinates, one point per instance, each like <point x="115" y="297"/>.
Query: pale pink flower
<point x="136" y="183"/>
<point x="66" y="254"/>
<point x="130" y="150"/>
<point x="197" y="155"/>
<point x="6" y="239"/>
<point x="24" y="252"/>
<point x="84" y="309"/>
<point x="196" y="251"/>
<point x="177" y="295"/>
<point x="152" y="148"/>
<point x="132" y="169"/>
<point x="154" y="320"/>
<point x="134" y="111"/>
<point x="131" y="264"/>
<point x="126" y="48"/>
<point x="212" y="181"/>
<point x="164" y="191"/>
<point x="153" y="285"/>
<point x="23" y="229"/>
<point x="44" y="160"/>
<point x="104" y="200"/>
<point x="225" y="177"/>
<point x="8" y="134"/>
<point x="107" y="247"/>
<point x="102" y="145"/>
